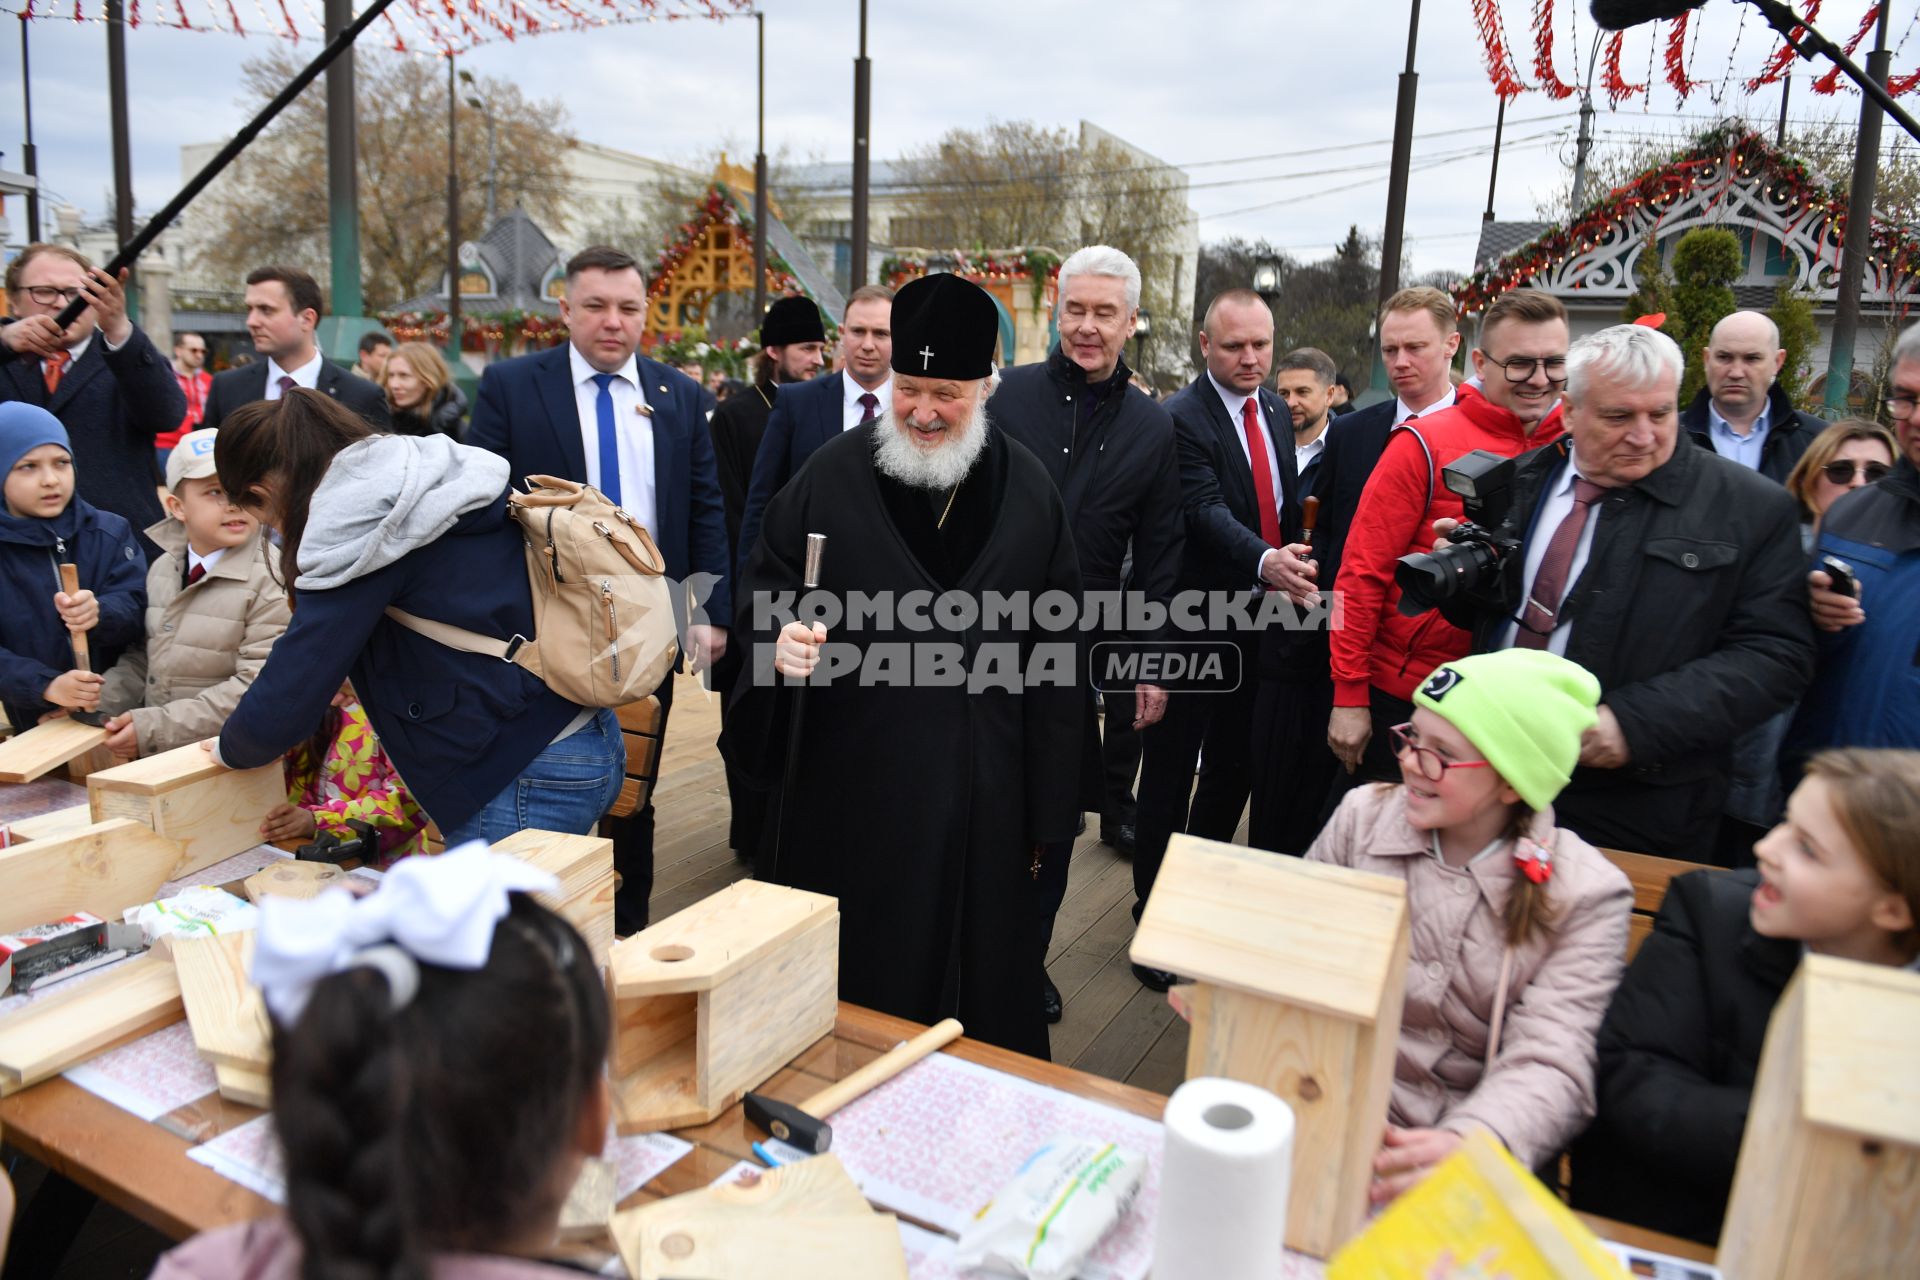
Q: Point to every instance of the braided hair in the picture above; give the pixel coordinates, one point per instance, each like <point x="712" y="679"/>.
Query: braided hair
<point x="438" y="1126"/>
<point x="1529" y="910"/>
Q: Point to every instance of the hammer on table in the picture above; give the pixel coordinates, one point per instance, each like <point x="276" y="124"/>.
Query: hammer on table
<point x="805" y="1126"/>
<point x="82" y="658"/>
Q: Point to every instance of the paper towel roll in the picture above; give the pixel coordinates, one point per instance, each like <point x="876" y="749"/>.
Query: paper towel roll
<point x="1223" y="1183"/>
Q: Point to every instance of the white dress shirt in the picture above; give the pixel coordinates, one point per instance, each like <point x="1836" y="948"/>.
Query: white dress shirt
<point x="851" y="408"/>
<point x="1402" y="410"/>
<point x="1304" y="455"/>
<point x="1556" y="504"/>
<point x="307" y="375"/>
<point x="1235" y="402"/>
<point x="632" y="427"/>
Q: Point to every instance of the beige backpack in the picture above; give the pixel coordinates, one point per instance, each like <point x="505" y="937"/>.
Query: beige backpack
<point x="602" y="606"/>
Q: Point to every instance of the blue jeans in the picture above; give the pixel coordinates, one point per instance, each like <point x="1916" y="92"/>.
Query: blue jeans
<point x="566" y="788"/>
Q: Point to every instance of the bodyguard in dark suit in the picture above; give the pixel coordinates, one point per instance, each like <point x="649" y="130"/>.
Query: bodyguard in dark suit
<point x="650" y="452"/>
<point x="101" y="377"/>
<point x="283" y="309"/>
<point x="1238" y="486"/>
<point x="808" y="414"/>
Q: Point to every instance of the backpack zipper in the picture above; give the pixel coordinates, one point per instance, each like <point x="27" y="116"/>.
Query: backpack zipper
<point x="613" y="633"/>
<point x="553" y="552"/>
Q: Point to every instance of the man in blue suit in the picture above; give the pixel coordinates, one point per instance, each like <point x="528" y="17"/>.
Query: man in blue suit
<point x="101" y="377"/>
<point x="808" y="415"/>
<point x="596" y="411"/>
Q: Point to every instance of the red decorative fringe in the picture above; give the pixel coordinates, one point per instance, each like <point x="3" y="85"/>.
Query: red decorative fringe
<point x="1493" y="38"/>
<point x="1618" y="90"/>
<point x="1783" y="56"/>
<point x="1677" y="58"/>
<point x="1550" y="84"/>
<point x="1829" y="83"/>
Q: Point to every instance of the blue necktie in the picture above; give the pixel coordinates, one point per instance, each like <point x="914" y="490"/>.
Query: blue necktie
<point x="609" y="441"/>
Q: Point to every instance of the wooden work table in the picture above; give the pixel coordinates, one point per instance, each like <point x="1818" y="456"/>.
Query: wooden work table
<point x="143" y="1167"/>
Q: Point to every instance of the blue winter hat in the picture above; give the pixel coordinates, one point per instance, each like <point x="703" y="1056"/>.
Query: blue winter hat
<point x="25" y="427"/>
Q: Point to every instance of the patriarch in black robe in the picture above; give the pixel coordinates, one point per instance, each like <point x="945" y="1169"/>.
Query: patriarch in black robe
<point x="940" y="743"/>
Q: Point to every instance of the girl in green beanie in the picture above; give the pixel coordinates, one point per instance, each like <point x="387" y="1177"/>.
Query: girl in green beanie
<point x="1518" y="928"/>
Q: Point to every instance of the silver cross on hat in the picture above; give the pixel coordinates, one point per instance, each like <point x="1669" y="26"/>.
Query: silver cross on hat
<point x="925" y="354"/>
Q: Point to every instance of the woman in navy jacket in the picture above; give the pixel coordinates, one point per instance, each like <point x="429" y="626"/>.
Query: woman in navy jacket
<point x="417" y="523"/>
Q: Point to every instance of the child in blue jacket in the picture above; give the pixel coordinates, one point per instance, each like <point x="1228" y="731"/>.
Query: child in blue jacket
<point x="43" y="526"/>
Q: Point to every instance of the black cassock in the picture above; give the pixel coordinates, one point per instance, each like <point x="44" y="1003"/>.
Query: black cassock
<point x="919" y="807"/>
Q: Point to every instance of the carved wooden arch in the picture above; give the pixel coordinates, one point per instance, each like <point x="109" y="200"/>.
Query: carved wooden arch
<point x="720" y="261"/>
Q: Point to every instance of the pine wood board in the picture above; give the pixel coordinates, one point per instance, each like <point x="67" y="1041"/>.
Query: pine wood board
<point x="768" y="1012"/>
<point x="293" y="879"/>
<point x="249" y="1088"/>
<point x="138" y="996"/>
<point x="794" y="1248"/>
<point x="584" y="867"/>
<point x="103" y="868"/>
<point x="815" y="1188"/>
<point x="56" y="822"/>
<point x="45" y="747"/>
<point x="710" y="941"/>
<point x="590" y="1204"/>
<point x="213" y="811"/>
<point x="224" y="1008"/>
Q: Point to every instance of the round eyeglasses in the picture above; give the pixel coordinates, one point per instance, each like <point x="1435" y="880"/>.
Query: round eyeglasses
<point x="1432" y="766"/>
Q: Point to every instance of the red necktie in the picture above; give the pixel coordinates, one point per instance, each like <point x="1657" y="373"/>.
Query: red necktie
<point x="55" y="369"/>
<point x="1262" y="476"/>
<point x="869" y="406"/>
<point x="1550" y="583"/>
<point x="196" y="573"/>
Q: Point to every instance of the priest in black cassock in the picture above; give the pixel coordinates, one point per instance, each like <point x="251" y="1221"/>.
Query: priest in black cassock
<point x="940" y="742"/>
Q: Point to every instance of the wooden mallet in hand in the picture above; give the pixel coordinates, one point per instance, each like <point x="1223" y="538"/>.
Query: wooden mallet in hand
<point x="82" y="658"/>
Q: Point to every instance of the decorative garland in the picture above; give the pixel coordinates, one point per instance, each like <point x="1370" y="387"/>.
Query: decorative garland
<point x="1746" y="154"/>
<point x="504" y="330"/>
<point x="1040" y="265"/>
<point x="1504" y="75"/>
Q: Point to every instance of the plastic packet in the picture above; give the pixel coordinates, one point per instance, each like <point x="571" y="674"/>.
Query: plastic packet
<point x="1065" y="1198"/>
<point x="194" y="913"/>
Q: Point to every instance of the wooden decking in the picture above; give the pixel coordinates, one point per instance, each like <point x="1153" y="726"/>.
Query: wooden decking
<point x="1113" y="1026"/>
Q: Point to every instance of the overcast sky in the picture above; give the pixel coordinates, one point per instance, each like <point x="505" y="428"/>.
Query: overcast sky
<point x="1281" y="112"/>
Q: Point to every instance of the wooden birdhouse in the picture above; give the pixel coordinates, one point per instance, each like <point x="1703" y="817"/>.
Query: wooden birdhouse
<point x="713" y="1000"/>
<point x="1828" y="1182"/>
<point x="184" y="795"/>
<point x="1298" y="970"/>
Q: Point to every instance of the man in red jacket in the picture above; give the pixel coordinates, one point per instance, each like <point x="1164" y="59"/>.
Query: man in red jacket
<point x="1380" y="656"/>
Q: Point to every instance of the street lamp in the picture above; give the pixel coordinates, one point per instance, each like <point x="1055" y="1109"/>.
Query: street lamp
<point x="1266" y="278"/>
<point x="1142" y="326"/>
<point x="493" y="163"/>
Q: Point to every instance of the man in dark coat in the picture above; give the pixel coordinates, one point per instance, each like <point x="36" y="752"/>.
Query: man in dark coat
<point x="808" y="414"/>
<point x="284" y="307"/>
<point x="1109" y="450"/>
<point x="651" y="454"/>
<point x="792" y="347"/>
<point x="1674" y="576"/>
<point x="102" y="377"/>
<point x="1742" y="414"/>
<point x="1234" y="438"/>
<point x="939" y="748"/>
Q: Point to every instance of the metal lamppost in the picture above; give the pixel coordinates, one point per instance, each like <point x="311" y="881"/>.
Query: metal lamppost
<point x="29" y="154"/>
<point x="760" y="175"/>
<point x="1266" y="278"/>
<point x="862" y="112"/>
<point x="1142" y="327"/>
<point x="453" y="214"/>
<point x="475" y="101"/>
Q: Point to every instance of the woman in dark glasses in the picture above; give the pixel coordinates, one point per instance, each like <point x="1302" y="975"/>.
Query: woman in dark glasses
<point x="1850" y="453"/>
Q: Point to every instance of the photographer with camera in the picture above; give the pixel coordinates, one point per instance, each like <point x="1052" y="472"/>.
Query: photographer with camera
<point x="1674" y="575"/>
<point x="1382" y="653"/>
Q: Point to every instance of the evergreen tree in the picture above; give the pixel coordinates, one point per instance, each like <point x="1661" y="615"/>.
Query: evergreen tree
<point x="1705" y="262"/>
<point x="1654" y="294"/>
<point x="1793" y="313"/>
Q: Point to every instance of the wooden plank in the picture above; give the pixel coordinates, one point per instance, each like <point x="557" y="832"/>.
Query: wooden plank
<point x="213" y="811"/>
<point x="103" y="868"/>
<point x="1164" y="1068"/>
<point x="755" y="1021"/>
<point x="1125" y="1041"/>
<point x="45" y="747"/>
<point x="136" y="997"/>
<point x="58" y="822"/>
<point x="1650" y="875"/>
<point x="816" y="1188"/>
<point x="249" y="1088"/>
<point x="584" y="867"/>
<point x="704" y="945"/>
<point x="590" y="1204"/>
<point x="293" y="879"/>
<point x="844" y="1248"/>
<point x="224" y="1008"/>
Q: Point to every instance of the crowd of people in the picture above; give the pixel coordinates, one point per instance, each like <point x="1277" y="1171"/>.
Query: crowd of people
<point x="1683" y="630"/>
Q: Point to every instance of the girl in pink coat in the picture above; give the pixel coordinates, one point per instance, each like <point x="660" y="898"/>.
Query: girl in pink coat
<point x="1518" y="928"/>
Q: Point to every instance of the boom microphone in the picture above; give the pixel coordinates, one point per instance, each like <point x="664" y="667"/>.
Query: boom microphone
<point x="1618" y="15"/>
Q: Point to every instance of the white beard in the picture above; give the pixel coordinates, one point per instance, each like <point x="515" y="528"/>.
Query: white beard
<point x="941" y="467"/>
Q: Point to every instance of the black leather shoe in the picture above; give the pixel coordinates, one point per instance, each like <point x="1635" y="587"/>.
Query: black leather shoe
<point x="1118" y="836"/>
<point x="1050" y="1003"/>
<point x="1154" y="979"/>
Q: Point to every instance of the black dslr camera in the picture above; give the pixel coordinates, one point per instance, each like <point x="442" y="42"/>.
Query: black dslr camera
<point x="1471" y="564"/>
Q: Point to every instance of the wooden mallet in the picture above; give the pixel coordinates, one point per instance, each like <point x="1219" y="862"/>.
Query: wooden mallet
<point x="82" y="656"/>
<point x="806" y="1127"/>
<point x="1309" y="513"/>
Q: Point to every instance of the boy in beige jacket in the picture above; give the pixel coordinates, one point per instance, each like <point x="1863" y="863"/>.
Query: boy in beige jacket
<point x="213" y="612"/>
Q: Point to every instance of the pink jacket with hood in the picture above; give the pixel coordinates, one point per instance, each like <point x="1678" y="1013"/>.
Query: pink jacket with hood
<point x="268" y="1249"/>
<point x="1540" y="1091"/>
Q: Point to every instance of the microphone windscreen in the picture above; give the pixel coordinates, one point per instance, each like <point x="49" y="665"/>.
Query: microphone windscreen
<point x="1618" y="15"/>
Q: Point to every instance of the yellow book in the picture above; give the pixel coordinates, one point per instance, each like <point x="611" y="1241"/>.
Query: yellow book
<point x="1479" y="1215"/>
